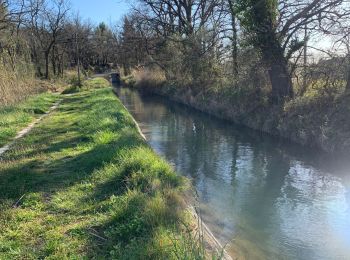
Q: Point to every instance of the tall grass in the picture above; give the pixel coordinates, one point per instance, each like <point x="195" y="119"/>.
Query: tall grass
<point x="149" y="78"/>
<point x="17" y="83"/>
<point x="88" y="84"/>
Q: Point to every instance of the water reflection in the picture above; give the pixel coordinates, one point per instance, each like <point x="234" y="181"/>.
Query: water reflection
<point x="267" y="198"/>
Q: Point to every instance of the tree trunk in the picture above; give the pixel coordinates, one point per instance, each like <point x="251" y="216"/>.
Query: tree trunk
<point x="47" y="64"/>
<point x="234" y="39"/>
<point x="126" y="69"/>
<point x="35" y="60"/>
<point x="54" y="59"/>
<point x="348" y="81"/>
<point x="188" y="17"/>
<point x="59" y="68"/>
<point x="280" y="78"/>
<point x="262" y="23"/>
<point x="38" y="71"/>
<point x="347" y="87"/>
<point x="235" y="53"/>
<point x="53" y="62"/>
<point x="281" y="81"/>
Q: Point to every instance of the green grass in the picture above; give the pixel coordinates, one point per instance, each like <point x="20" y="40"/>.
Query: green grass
<point x="86" y="85"/>
<point x="14" y="118"/>
<point x="84" y="184"/>
<point x="95" y="83"/>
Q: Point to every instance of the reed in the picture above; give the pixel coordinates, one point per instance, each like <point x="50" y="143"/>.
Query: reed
<point x="17" y="83"/>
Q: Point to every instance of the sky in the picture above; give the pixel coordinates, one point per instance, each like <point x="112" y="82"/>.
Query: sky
<point x="101" y="10"/>
<point x="110" y="11"/>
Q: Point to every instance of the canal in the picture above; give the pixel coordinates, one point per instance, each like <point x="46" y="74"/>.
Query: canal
<point x="264" y="197"/>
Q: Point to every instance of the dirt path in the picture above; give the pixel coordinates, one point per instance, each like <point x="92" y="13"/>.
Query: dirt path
<point x="26" y="130"/>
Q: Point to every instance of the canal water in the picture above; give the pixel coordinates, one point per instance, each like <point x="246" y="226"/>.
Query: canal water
<point x="262" y="197"/>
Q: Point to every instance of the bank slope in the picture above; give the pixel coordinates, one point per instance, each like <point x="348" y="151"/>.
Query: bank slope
<point x="84" y="184"/>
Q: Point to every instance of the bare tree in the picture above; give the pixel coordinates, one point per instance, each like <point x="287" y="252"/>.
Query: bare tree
<point x="181" y="16"/>
<point x="234" y="38"/>
<point x="47" y="21"/>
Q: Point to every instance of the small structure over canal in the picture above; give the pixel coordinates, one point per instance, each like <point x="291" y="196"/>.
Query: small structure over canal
<point x="115" y="78"/>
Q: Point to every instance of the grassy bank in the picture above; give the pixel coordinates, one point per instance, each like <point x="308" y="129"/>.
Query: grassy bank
<point x="15" y="117"/>
<point x="314" y="119"/>
<point x="85" y="85"/>
<point x="84" y="184"/>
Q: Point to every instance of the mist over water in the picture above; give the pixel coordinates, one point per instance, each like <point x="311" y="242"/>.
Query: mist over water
<point x="266" y="198"/>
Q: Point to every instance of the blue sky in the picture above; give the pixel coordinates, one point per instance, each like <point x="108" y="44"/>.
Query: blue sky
<point x="111" y="11"/>
<point x="101" y="10"/>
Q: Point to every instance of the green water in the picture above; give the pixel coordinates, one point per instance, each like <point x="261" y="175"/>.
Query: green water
<point x="263" y="197"/>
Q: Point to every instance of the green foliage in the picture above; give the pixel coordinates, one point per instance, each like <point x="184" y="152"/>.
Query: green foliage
<point x="255" y="15"/>
<point x="259" y="19"/>
<point x="86" y="185"/>
<point x="295" y="45"/>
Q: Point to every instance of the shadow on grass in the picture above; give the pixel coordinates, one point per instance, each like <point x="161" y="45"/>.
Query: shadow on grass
<point x="75" y="146"/>
<point x="49" y="158"/>
<point x="43" y="174"/>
